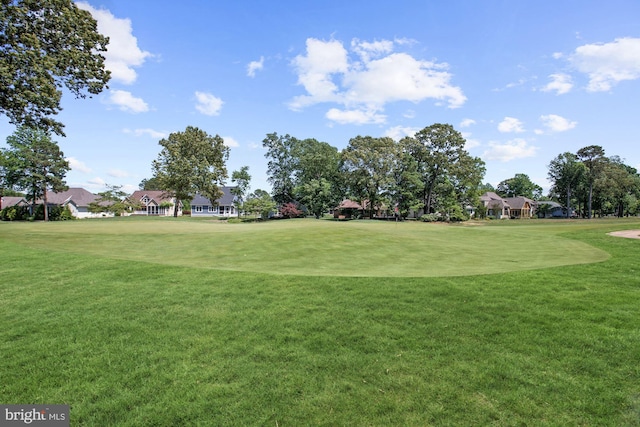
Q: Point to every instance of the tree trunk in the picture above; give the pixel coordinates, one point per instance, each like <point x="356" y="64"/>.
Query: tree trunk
<point x="175" y="208"/>
<point x="46" y="206"/>
<point x="590" y="196"/>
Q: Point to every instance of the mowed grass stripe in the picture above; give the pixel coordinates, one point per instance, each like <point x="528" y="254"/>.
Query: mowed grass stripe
<point x="315" y="248"/>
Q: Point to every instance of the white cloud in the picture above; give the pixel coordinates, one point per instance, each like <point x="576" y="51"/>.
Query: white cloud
<point x="557" y="123"/>
<point x="358" y="117"/>
<point x="230" y="142"/>
<point x="77" y="165"/>
<point x="150" y="132"/>
<point x="123" y="53"/>
<point x="609" y="63"/>
<point x="510" y="124"/>
<point x="365" y="85"/>
<point x="515" y="149"/>
<point x="366" y="50"/>
<point x="398" y="132"/>
<point x="469" y="142"/>
<point x="560" y="83"/>
<point x="117" y="173"/>
<point x="96" y="183"/>
<point x="315" y="71"/>
<point x="125" y="101"/>
<point x="255" y="66"/>
<point x="467" y="122"/>
<point x="208" y="104"/>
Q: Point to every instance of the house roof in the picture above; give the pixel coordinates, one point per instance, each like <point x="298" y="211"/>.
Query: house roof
<point x="9" y="201"/>
<point x="349" y="204"/>
<point x="492" y="199"/>
<point x="77" y="196"/>
<point x="226" y="199"/>
<point x="518" y="202"/>
<point x="158" y="196"/>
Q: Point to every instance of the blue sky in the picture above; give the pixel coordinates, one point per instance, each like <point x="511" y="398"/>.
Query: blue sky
<point x="522" y="80"/>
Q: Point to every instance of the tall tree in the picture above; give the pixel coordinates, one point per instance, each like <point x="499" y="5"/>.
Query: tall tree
<point x="34" y="163"/>
<point x="45" y="46"/>
<point x="191" y="162"/>
<point x="407" y="182"/>
<point x="149" y="184"/>
<point x="519" y="185"/>
<point x="242" y="179"/>
<point x="369" y="163"/>
<point x="316" y="175"/>
<point x="565" y="174"/>
<point x="439" y="151"/>
<point x="281" y="166"/>
<point x="593" y="158"/>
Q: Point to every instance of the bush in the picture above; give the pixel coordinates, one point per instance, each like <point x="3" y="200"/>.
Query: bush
<point x="290" y="210"/>
<point x="14" y="213"/>
<point x="432" y="217"/>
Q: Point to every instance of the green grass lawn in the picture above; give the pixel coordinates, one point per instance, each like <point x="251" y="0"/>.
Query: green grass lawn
<point x="169" y="322"/>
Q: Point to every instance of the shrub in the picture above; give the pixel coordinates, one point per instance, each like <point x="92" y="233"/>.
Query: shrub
<point x="432" y="217"/>
<point x="290" y="210"/>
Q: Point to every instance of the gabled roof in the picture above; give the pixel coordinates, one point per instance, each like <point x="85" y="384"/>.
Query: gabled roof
<point x="77" y="196"/>
<point x="349" y="204"/>
<point x="157" y="196"/>
<point x="518" y="202"/>
<point x="9" y="201"/>
<point x="226" y="199"/>
<point x="492" y="199"/>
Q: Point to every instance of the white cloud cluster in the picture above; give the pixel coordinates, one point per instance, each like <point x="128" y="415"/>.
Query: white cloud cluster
<point x="608" y="64"/>
<point x="123" y="53"/>
<point x="255" y="66"/>
<point x="511" y="150"/>
<point x="363" y="83"/>
<point x="77" y="166"/>
<point x="557" y="123"/>
<point x="398" y="132"/>
<point x="147" y="131"/>
<point x="230" y="142"/>
<point x="510" y="124"/>
<point x="560" y="83"/>
<point x="208" y="104"/>
<point x="125" y="101"/>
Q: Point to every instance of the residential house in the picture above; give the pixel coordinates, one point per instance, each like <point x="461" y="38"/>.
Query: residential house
<point x="520" y="207"/>
<point x="78" y="201"/>
<point x="222" y="207"/>
<point x="348" y="209"/>
<point x="497" y="207"/>
<point x="154" y="203"/>
<point x="549" y="209"/>
<point x="8" y="201"/>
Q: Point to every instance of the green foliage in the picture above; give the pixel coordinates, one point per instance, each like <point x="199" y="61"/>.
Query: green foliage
<point x="14" y="213"/>
<point x="447" y="170"/>
<point x="34" y="163"/>
<point x="241" y="179"/>
<point x="192" y="162"/>
<point x="150" y="184"/>
<point x="260" y="203"/>
<point x="46" y="46"/>
<point x="431" y="217"/>
<point x="519" y="185"/>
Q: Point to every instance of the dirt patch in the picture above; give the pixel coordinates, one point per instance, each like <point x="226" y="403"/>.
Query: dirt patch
<point x="631" y="234"/>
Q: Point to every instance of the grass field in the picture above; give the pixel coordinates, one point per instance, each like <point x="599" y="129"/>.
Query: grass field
<point x="163" y="322"/>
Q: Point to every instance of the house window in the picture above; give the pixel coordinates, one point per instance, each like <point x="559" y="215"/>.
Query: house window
<point x="145" y="200"/>
<point x="211" y="209"/>
<point x="198" y="208"/>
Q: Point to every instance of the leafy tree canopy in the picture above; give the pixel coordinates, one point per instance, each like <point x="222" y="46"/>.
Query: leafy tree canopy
<point x="46" y="45"/>
<point x="519" y="185"/>
<point x="191" y="162"/>
<point x="34" y="163"/>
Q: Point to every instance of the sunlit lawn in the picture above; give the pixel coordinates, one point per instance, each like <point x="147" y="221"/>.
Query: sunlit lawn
<point x="182" y="322"/>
